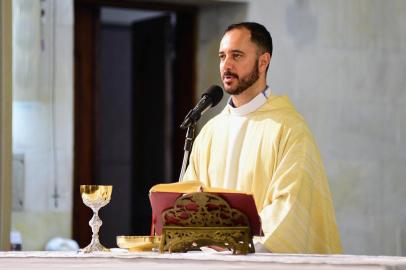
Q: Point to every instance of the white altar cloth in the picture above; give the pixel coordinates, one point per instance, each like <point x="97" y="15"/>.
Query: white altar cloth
<point x="192" y="261"/>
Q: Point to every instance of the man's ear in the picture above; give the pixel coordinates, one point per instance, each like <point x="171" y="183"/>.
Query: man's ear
<point x="264" y="61"/>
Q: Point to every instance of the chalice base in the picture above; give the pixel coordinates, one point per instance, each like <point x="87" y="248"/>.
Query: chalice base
<point x="94" y="246"/>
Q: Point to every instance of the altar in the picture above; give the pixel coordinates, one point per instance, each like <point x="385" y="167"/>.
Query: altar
<point x="192" y="260"/>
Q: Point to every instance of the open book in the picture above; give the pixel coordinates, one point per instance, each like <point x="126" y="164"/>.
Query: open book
<point x="163" y="197"/>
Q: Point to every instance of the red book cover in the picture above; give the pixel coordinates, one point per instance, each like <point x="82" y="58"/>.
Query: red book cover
<point x="161" y="201"/>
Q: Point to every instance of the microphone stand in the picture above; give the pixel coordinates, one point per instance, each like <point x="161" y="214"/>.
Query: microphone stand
<point x="190" y="136"/>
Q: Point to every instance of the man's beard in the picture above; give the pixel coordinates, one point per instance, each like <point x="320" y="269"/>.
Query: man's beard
<point x="243" y="83"/>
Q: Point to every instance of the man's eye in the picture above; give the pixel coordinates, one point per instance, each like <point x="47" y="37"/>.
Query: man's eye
<point x="237" y="56"/>
<point x="222" y="57"/>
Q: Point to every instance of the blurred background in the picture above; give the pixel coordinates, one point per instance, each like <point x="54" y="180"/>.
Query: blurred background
<point x="100" y="87"/>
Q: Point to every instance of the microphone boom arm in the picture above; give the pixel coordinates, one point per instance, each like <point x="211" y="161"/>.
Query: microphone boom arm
<point x="190" y="136"/>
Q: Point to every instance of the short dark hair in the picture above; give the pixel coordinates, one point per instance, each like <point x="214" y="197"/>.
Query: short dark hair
<point x="259" y="34"/>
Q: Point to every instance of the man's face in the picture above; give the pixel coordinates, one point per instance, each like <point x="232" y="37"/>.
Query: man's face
<point x="238" y="61"/>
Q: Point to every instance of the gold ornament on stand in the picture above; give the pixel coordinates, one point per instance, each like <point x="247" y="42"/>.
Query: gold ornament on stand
<point x="95" y="197"/>
<point x="203" y="219"/>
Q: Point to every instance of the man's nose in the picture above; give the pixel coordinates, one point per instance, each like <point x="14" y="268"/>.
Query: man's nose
<point x="227" y="63"/>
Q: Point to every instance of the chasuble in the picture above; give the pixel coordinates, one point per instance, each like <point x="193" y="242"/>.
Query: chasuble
<point x="272" y="155"/>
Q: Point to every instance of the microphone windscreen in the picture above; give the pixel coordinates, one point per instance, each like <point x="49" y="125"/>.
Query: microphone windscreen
<point x="215" y="92"/>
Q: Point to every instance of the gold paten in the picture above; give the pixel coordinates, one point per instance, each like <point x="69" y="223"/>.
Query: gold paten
<point x="205" y="219"/>
<point x="138" y="243"/>
<point x="95" y="197"/>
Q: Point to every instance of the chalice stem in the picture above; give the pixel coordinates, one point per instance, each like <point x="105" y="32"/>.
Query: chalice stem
<point x="95" y="223"/>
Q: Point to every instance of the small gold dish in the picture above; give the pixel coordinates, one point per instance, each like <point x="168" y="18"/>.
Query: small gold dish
<point x="138" y="243"/>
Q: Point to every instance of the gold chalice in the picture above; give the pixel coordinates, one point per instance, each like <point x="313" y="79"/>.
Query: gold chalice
<point x="95" y="197"/>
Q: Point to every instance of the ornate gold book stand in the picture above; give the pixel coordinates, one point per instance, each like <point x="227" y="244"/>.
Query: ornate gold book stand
<point x="205" y="219"/>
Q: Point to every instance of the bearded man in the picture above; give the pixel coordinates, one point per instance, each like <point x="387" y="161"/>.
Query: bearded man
<point x="260" y="144"/>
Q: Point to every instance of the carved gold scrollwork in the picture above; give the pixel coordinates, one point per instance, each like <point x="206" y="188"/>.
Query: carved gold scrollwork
<point x="204" y="219"/>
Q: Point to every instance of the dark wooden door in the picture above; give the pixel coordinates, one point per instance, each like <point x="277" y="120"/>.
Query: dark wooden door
<point x="152" y="113"/>
<point x="156" y="142"/>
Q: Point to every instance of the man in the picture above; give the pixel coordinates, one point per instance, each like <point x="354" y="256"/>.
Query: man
<point x="260" y="144"/>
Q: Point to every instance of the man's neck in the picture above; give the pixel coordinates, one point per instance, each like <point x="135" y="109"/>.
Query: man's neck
<point x="248" y="94"/>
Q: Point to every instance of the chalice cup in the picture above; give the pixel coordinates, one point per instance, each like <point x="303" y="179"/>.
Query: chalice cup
<point x="95" y="197"/>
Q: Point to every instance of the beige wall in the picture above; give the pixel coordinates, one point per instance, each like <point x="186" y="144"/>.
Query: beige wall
<point x="5" y="121"/>
<point x="42" y="120"/>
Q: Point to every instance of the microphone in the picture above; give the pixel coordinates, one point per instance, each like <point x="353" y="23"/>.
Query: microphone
<point x="209" y="99"/>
